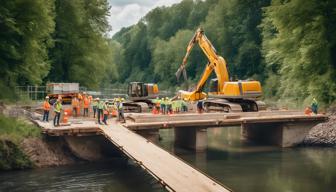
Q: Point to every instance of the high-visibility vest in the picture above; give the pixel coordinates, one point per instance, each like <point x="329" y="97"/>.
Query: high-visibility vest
<point x="95" y="104"/>
<point x="58" y="107"/>
<point x="100" y="105"/>
<point x="86" y="102"/>
<point x="74" y="102"/>
<point x="120" y="105"/>
<point x="46" y="106"/>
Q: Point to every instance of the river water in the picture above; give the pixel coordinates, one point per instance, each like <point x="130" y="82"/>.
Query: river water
<point x="242" y="166"/>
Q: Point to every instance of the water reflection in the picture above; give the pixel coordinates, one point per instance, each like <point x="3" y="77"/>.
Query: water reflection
<point x="242" y="166"/>
<point x="245" y="166"/>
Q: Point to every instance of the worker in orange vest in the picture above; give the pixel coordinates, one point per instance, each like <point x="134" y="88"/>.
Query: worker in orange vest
<point x="106" y="112"/>
<point x="86" y="104"/>
<point x="75" y="105"/>
<point x="46" y="109"/>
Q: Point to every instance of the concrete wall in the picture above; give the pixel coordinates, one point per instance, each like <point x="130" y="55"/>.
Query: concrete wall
<point x="281" y="134"/>
<point x="191" y="138"/>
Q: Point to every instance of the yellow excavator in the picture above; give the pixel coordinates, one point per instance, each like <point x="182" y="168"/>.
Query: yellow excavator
<point x="224" y="95"/>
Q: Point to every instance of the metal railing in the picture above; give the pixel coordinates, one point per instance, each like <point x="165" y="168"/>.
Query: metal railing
<point x="37" y="93"/>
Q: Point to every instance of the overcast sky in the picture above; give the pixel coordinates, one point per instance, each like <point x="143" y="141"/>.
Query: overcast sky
<point x="124" y="13"/>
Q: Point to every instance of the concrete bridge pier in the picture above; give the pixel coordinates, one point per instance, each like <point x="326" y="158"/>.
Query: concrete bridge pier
<point x="191" y="138"/>
<point x="284" y="134"/>
<point x="150" y="134"/>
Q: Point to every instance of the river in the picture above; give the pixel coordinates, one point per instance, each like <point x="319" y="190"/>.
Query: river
<point x="242" y="166"/>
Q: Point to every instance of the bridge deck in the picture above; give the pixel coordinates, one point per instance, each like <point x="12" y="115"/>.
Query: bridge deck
<point x="172" y="172"/>
<point x="149" y="121"/>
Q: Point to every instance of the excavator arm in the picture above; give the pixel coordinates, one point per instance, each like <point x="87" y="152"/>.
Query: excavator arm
<point x="216" y="63"/>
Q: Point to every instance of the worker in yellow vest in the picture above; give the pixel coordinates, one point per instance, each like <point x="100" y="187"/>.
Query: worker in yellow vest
<point x="57" y="109"/>
<point x="95" y="107"/>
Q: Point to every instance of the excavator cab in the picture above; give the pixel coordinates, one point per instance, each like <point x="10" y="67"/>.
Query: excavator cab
<point x="137" y="89"/>
<point x="140" y="90"/>
<point x="140" y="97"/>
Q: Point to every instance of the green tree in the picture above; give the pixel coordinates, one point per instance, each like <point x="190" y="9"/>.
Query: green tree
<point x="299" y="48"/>
<point x="25" y="36"/>
<point x="81" y="52"/>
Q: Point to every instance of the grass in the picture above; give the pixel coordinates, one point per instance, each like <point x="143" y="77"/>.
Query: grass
<point x="16" y="130"/>
<point x="12" y="133"/>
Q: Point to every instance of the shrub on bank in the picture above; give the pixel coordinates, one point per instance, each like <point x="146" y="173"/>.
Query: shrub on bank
<point x="12" y="132"/>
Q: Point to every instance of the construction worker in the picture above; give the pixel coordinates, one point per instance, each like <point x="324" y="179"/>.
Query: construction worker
<point x="157" y="104"/>
<point x="169" y="106"/>
<point x="314" y="106"/>
<point x="57" y="109"/>
<point x="75" y="105"/>
<point x="100" y="110"/>
<point x="166" y="105"/>
<point x="90" y="98"/>
<point x="200" y="106"/>
<point x="86" y="104"/>
<point x="162" y="106"/>
<point x="94" y="107"/>
<point x="184" y="105"/>
<point x="121" y="110"/>
<point x="80" y="103"/>
<point x="105" y="112"/>
<point x="46" y="109"/>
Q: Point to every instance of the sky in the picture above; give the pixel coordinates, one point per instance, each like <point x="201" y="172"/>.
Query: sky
<point x="124" y="13"/>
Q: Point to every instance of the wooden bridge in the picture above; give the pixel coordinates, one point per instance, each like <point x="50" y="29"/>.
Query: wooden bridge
<point x="285" y="128"/>
<point x="170" y="171"/>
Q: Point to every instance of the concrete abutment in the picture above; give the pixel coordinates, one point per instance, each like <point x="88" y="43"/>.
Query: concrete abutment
<point x="285" y="134"/>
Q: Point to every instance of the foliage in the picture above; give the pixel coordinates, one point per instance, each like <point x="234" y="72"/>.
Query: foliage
<point x="299" y="49"/>
<point x="25" y="36"/>
<point x="290" y="46"/>
<point x="81" y="52"/>
<point x="16" y="130"/>
<point x="228" y="25"/>
<point x="11" y="157"/>
<point x="12" y="132"/>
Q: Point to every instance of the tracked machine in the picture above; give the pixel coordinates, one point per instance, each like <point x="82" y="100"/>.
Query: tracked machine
<point x="140" y="96"/>
<point x="224" y="95"/>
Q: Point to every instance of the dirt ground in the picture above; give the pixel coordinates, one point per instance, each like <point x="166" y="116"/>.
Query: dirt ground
<point x="47" y="153"/>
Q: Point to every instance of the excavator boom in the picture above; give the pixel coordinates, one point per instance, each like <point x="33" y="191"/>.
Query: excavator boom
<point x="224" y="89"/>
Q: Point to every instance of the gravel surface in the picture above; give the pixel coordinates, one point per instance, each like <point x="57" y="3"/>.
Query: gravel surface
<point x="323" y="134"/>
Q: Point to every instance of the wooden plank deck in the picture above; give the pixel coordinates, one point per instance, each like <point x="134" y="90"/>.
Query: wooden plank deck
<point x="149" y="121"/>
<point x="172" y="172"/>
<point x="78" y="128"/>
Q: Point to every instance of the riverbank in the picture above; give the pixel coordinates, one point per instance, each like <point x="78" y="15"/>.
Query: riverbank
<point x="323" y="134"/>
<point x="23" y="146"/>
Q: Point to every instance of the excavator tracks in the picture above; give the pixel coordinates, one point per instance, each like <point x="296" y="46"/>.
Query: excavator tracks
<point x="238" y="105"/>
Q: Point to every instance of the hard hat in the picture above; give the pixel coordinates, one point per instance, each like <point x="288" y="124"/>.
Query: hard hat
<point x="84" y="93"/>
<point x="122" y="99"/>
<point x="47" y="97"/>
<point x="97" y="98"/>
<point x="166" y="97"/>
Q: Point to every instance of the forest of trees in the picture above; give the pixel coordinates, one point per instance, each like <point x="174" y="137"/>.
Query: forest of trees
<point x="54" y="41"/>
<point x="288" y="45"/>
